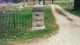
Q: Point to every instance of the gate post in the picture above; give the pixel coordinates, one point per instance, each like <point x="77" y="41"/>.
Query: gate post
<point x="38" y="17"/>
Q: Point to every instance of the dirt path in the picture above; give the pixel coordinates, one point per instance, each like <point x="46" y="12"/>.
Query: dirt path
<point x="69" y="31"/>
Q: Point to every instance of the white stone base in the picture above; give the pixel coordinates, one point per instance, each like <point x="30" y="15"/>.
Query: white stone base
<point x="38" y="28"/>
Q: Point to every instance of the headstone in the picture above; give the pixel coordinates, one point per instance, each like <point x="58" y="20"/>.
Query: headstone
<point x="38" y="17"/>
<point x="41" y="2"/>
<point x="25" y="3"/>
<point x="20" y="5"/>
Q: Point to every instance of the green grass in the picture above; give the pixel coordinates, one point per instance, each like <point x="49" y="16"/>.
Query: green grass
<point x="65" y="4"/>
<point x="69" y="7"/>
<point x="23" y="25"/>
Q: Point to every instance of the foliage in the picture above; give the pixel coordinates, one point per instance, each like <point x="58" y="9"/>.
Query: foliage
<point x="68" y="5"/>
<point x="16" y="1"/>
<point x="75" y="12"/>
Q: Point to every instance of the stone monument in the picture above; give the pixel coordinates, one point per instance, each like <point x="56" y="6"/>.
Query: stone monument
<point x="38" y="17"/>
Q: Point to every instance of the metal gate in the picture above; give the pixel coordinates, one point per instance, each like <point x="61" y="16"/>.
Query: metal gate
<point x="10" y="21"/>
<point x="7" y="22"/>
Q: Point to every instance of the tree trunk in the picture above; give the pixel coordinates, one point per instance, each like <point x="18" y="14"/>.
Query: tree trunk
<point x="16" y="1"/>
<point x="77" y="4"/>
<point x="52" y="1"/>
<point x="43" y="2"/>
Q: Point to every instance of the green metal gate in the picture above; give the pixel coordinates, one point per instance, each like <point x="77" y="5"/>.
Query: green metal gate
<point x="6" y="21"/>
<point x="11" y="20"/>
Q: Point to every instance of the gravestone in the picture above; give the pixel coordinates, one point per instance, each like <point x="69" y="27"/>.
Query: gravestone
<point x="38" y="17"/>
<point x="41" y="2"/>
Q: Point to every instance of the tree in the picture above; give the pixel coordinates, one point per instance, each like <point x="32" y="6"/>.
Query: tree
<point x="77" y="4"/>
<point x="16" y="1"/>
<point x="43" y="2"/>
<point x="52" y="1"/>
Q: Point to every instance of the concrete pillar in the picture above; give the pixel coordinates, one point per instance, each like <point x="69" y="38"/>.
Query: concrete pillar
<point x="38" y="17"/>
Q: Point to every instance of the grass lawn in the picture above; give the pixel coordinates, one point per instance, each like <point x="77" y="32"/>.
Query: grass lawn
<point x="23" y="22"/>
<point x="69" y="7"/>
